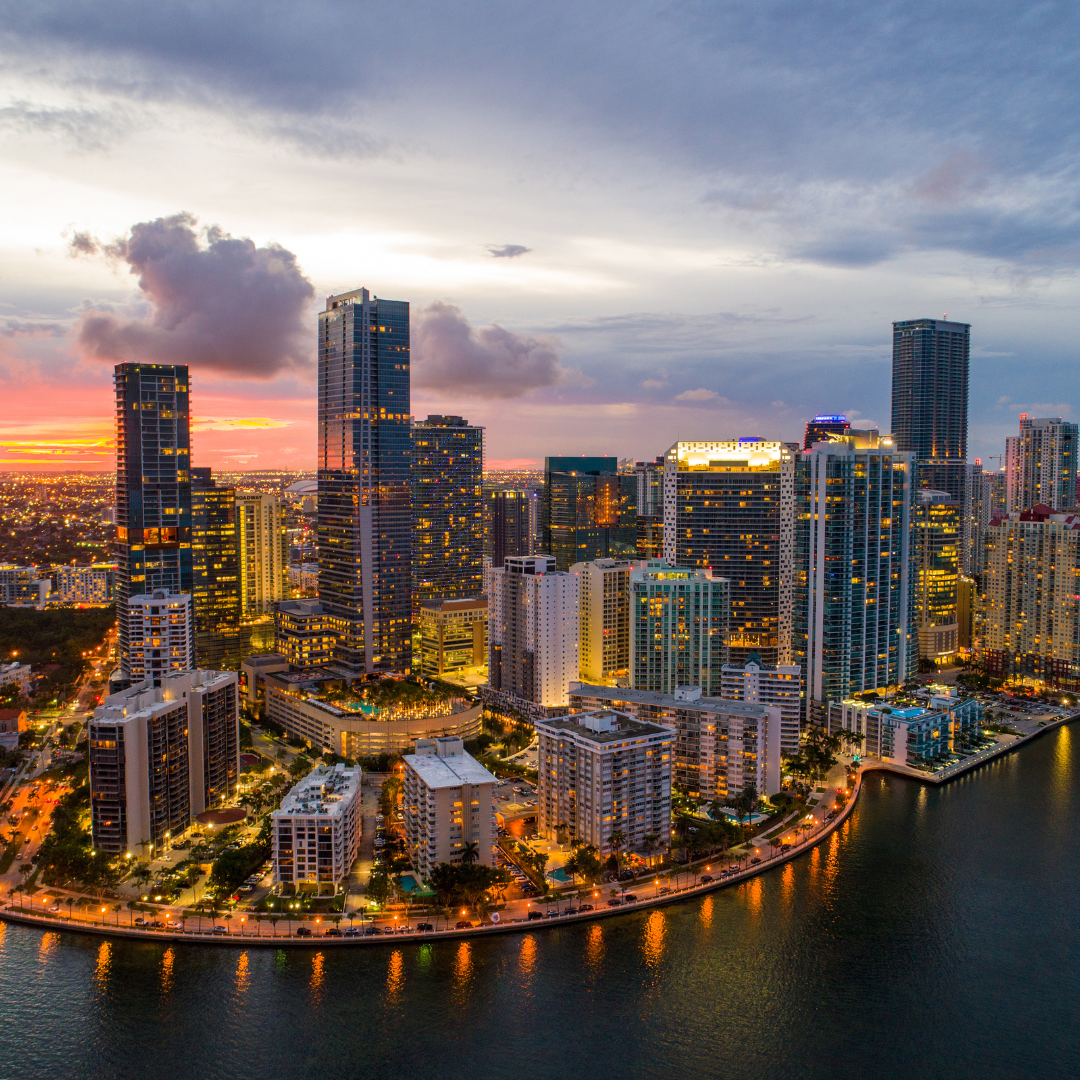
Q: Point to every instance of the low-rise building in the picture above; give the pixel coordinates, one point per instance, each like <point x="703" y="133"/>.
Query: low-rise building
<point x="453" y="635"/>
<point x="720" y="745"/>
<point x="160" y="755"/>
<point x="316" y="831"/>
<point x="449" y="803"/>
<point x="17" y="673"/>
<point x="12" y="723"/>
<point x="304" y="578"/>
<point x="23" y="586"/>
<point x="253" y="671"/>
<point x="604" y="773"/>
<point x="303" y="632"/>
<point x="94" y="584"/>
<point x="778" y="687"/>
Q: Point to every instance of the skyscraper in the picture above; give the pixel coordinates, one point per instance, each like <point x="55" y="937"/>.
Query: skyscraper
<point x="508" y="524"/>
<point x="977" y="511"/>
<point x="448" y="510"/>
<point x="604" y="620"/>
<point x="854" y="584"/>
<point x="263" y="545"/>
<point x="364" y="475"/>
<point x="589" y="510"/>
<point x="1041" y="464"/>
<point x="821" y="427"/>
<point x="215" y="591"/>
<point x="930" y="399"/>
<point x="650" y="508"/>
<point x="153" y="487"/>
<point x="729" y="506"/>
<point x="936" y="516"/>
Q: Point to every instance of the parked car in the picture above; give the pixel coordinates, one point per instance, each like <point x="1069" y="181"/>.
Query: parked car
<point x="614" y="902"/>
<point x="630" y="898"/>
<point x="354" y="931"/>
<point x="585" y="907"/>
<point x="706" y="879"/>
<point x="536" y="914"/>
<point x="140" y="922"/>
<point x="464" y="924"/>
<point x="220" y="930"/>
<point x="303" y="931"/>
<point x="665" y="891"/>
<point x="332" y="932"/>
<point x="424" y="928"/>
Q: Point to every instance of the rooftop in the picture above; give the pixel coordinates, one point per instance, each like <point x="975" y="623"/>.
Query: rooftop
<point x="325" y="790"/>
<point x="443" y="770"/>
<point x="603" y="726"/>
<point x="615" y="694"/>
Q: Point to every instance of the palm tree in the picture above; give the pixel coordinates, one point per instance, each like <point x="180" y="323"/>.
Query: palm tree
<point x="70" y="900"/>
<point x="470" y="852"/>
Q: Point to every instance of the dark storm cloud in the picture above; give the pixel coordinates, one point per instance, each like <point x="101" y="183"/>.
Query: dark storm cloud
<point x="448" y="354"/>
<point x="216" y="301"/>
<point x="509" y="251"/>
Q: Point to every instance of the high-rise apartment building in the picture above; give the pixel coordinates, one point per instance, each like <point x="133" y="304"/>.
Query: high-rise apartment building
<point x="822" y="428"/>
<point x="364" y="474"/>
<point x="604" y="620"/>
<point x="22" y="586"/>
<point x="448" y="510"/>
<point x="977" y="510"/>
<point x="603" y="773"/>
<point x="94" y="584"/>
<point x="304" y="632"/>
<point x="453" y="635"/>
<point x="449" y="802"/>
<point x="161" y="635"/>
<point x="533" y="652"/>
<point x="1040" y="465"/>
<point x="936" y="519"/>
<point x="930" y="399"/>
<point x="776" y="688"/>
<point x="679" y="623"/>
<point x="153" y="487"/>
<point x="263" y="549"/>
<point x="588" y="510"/>
<point x="509" y="524"/>
<point x="650" y="508"/>
<point x="160" y="755"/>
<point x="215" y="592"/>
<point x="1032" y="585"/>
<point x="729" y="506"/>
<point x="855" y="582"/>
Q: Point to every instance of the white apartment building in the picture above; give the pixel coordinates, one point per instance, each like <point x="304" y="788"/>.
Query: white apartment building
<point x="159" y="755"/>
<point x="533" y="646"/>
<point x="720" y="746"/>
<point x="16" y="673"/>
<point x="603" y="772"/>
<point x="779" y="687"/>
<point x="161" y="635"/>
<point x="94" y="584"/>
<point x="449" y="802"/>
<point x="263" y="548"/>
<point x="604" y="620"/>
<point x="316" y="830"/>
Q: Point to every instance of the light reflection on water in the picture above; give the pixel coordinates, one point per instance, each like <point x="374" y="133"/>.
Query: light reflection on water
<point x="49" y="942"/>
<point x="395" y="975"/>
<point x="318" y="975"/>
<point x="706" y="913"/>
<point x="167" y="960"/>
<point x="242" y="976"/>
<point x="527" y="956"/>
<point x="104" y="963"/>
<point x="652" y="943"/>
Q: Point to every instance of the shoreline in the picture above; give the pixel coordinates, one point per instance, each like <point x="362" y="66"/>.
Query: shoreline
<point x="518" y="926"/>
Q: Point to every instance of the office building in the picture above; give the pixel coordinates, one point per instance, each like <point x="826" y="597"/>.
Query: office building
<point x="509" y="524"/>
<point x="588" y="510"/>
<point x="315" y="833"/>
<point x="855" y="584"/>
<point x="533" y="650"/>
<point x="215" y="572"/>
<point x="161" y="635"/>
<point x="304" y="632"/>
<point x="263" y="547"/>
<point x="449" y="806"/>
<point x="23" y="586"/>
<point x="822" y="428"/>
<point x="159" y="756"/>
<point x="447" y="509"/>
<point x="720" y="745"/>
<point x="604" y="620"/>
<point x="93" y="585"/>
<point x="153" y="488"/>
<point x="936" y="517"/>
<point x="365" y="485"/>
<point x="776" y="688"/>
<point x="650" y="508"/>
<point x="729" y="506"/>
<point x="602" y="773"/>
<point x="930" y="399"/>
<point x="453" y="636"/>
<point x="1040" y="464"/>
<point x="977" y="510"/>
<point x="679" y="628"/>
<point x="1032" y="610"/>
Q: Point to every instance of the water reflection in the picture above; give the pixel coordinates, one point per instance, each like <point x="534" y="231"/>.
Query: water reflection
<point x="104" y="963"/>
<point x="242" y="977"/>
<point x="1060" y="785"/>
<point x="318" y="963"/>
<point x="463" y="970"/>
<point x="653" y="940"/>
<point x="395" y="975"/>
<point x="167" y="962"/>
<point x="752" y="892"/>
<point x="527" y="956"/>
<point x="787" y="885"/>
<point x="706" y="912"/>
<point x="49" y="942"/>
<point x="594" y="949"/>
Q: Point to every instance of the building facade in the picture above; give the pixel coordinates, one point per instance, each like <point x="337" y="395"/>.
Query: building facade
<point x="453" y="635"/>
<point x="215" y="571"/>
<point x="778" y="688"/>
<point x="604" y="620"/>
<point x="937" y="526"/>
<point x="1040" y="465"/>
<point x="23" y="586"/>
<point x="588" y="510"/>
<point x="364" y="475"/>
<point x="447" y="509"/>
<point x="855" y="582"/>
<point x="161" y="635"/>
<point x="509" y="524"/>
<point x="449" y="803"/>
<point x="160" y="755"/>
<point x="263" y="550"/>
<point x="679" y="628"/>
<point x="153" y="488"/>
<point x="729" y="506"/>
<point x="304" y="632"/>
<point x="94" y="584"/>
<point x="822" y="428"/>
<point x="604" y="773"/>
<point x="930" y="399"/>
<point x="316" y="831"/>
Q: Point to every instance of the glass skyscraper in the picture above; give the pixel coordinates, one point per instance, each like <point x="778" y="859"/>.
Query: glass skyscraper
<point x="364" y="476"/>
<point x="936" y="517"/>
<point x="930" y="399"/>
<point x="153" y="487"/>
<point x="448" y="510"/>
<point x="215" y="593"/>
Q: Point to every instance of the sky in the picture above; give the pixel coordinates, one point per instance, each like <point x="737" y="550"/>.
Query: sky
<point x="618" y="225"/>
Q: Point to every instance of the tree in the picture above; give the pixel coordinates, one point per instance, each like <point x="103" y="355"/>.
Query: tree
<point x="649" y="842"/>
<point x="617" y="842"/>
<point x="470" y="852"/>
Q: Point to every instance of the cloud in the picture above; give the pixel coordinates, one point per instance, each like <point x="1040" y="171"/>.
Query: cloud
<point x="450" y="355"/>
<point x="653" y="384"/>
<point x="235" y="423"/>
<point x="216" y="301"/>
<point x="958" y="177"/>
<point x="701" y="394"/>
<point x="509" y="251"/>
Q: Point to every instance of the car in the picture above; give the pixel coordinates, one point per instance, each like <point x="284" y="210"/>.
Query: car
<point x="332" y="932"/>
<point x="570" y="911"/>
<point x="552" y="914"/>
<point x="371" y="931"/>
<point x="536" y="914"/>
<point x="387" y="929"/>
<point x="630" y="898"/>
<point x="157" y="924"/>
<point x="614" y="902"/>
<point x="706" y="879"/>
<point x="424" y="928"/>
<point x="220" y="930"/>
<point x="140" y="922"/>
<point x="353" y="931"/>
<point x="303" y="931"/>
<point x="585" y="907"/>
<point x="665" y="891"/>
<point x="463" y="924"/>
<point x="754" y="861"/>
